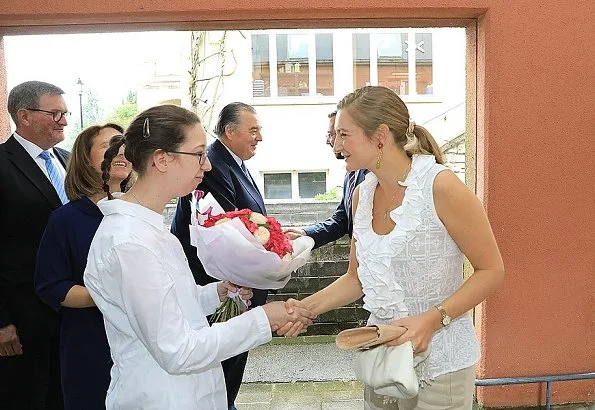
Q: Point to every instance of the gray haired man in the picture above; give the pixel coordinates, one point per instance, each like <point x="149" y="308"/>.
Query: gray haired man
<point x="32" y="175"/>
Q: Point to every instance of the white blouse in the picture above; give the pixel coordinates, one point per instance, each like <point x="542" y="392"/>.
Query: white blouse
<point x="414" y="267"/>
<point x="165" y="354"/>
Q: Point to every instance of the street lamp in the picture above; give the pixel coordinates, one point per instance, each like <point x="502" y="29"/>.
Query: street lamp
<point x="80" y="84"/>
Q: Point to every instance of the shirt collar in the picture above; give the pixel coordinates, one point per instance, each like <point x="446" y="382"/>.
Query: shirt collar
<point x="32" y="149"/>
<point x="235" y="157"/>
<point x="118" y="206"/>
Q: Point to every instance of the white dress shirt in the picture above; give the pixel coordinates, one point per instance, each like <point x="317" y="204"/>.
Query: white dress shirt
<point x="165" y="354"/>
<point x="34" y="151"/>
<point x="233" y="155"/>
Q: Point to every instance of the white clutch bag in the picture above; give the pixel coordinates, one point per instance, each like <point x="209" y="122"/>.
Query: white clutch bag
<point x="390" y="371"/>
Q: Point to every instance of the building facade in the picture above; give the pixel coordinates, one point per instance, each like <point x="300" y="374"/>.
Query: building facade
<point x="294" y="79"/>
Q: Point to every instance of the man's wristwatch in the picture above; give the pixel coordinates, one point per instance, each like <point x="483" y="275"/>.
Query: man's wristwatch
<point x="445" y="318"/>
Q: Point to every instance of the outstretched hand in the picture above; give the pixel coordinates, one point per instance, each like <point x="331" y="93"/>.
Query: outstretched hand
<point x="290" y="321"/>
<point x="293" y="233"/>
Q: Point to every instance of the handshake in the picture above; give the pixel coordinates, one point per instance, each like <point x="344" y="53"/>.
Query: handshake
<point x="289" y="318"/>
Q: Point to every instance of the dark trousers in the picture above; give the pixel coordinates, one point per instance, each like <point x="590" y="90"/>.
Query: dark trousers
<point x="233" y="368"/>
<point x="31" y="381"/>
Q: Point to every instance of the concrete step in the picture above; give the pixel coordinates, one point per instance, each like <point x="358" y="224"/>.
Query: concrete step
<point x="287" y="363"/>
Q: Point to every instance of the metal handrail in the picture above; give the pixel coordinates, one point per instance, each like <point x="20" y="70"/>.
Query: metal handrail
<point x="536" y="379"/>
<point x="441" y="114"/>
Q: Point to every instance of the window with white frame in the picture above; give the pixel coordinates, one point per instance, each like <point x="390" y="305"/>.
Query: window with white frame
<point x="395" y="60"/>
<point x="292" y="64"/>
<point x="294" y="185"/>
<point x="299" y="63"/>
<point x="277" y="186"/>
<point x="311" y="184"/>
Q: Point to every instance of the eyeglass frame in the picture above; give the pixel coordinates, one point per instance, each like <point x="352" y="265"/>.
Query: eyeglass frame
<point x="62" y="114"/>
<point x="329" y="136"/>
<point x="202" y="156"/>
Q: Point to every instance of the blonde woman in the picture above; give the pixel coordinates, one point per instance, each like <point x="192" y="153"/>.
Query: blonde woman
<point x="414" y="220"/>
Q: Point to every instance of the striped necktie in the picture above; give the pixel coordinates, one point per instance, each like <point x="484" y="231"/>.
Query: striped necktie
<point x="55" y="177"/>
<point x="350" y="189"/>
<point x="243" y="166"/>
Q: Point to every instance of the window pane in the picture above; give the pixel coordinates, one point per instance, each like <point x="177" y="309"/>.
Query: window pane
<point x="392" y="62"/>
<point x="260" y="66"/>
<point x="277" y="186"/>
<point x="311" y="184"/>
<point x="324" y="64"/>
<point x="292" y="64"/>
<point x="423" y="63"/>
<point x="361" y="60"/>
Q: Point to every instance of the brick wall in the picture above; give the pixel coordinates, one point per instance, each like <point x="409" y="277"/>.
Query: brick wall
<point x="326" y="264"/>
<point x="454" y="152"/>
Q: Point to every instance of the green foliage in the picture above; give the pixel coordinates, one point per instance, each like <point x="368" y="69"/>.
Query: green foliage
<point x="328" y="196"/>
<point x="125" y="113"/>
<point x="92" y="114"/>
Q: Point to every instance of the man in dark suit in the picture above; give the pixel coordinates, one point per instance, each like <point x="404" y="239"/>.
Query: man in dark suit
<point x="32" y="175"/>
<point x="340" y="223"/>
<point x="230" y="182"/>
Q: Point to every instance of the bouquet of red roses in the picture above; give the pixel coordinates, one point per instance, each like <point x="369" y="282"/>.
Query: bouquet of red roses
<point x="265" y="229"/>
<point x="243" y="247"/>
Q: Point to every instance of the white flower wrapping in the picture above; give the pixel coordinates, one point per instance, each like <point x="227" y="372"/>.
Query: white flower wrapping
<point x="229" y="251"/>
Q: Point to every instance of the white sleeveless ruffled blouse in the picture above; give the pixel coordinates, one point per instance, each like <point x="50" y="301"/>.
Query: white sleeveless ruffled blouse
<point x="414" y="267"/>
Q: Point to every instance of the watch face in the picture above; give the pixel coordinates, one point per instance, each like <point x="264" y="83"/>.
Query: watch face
<point x="446" y="320"/>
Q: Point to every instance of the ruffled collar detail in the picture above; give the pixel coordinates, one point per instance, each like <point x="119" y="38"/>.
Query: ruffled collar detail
<point x="383" y="296"/>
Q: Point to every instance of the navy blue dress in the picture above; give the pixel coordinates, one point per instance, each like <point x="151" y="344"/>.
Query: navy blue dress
<point x="84" y="351"/>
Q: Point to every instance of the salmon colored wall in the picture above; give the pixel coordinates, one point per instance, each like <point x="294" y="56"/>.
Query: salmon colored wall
<point x="535" y="143"/>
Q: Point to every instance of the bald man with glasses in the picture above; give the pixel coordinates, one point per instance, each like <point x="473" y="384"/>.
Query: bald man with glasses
<point x="32" y="175"/>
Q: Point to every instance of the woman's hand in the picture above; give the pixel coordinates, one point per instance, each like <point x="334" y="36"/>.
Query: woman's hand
<point x="295" y="320"/>
<point x="292" y="329"/>
<point x="224" y="287"/>
<point x="420" y="330"/>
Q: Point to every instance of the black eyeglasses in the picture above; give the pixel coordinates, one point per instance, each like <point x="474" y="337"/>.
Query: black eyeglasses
<point x="202" y="156"/>
<point x="56" y="115"/>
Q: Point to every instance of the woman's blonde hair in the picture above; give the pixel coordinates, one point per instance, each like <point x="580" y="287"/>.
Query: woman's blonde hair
<point x="372" y="106"/>
<point x="82" y="180"/>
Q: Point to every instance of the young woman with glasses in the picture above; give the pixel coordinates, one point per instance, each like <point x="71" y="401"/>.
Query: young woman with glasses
<point x="165" y="354"/>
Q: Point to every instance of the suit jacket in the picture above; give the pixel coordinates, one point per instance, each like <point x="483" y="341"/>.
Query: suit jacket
<point x="232" y="188"/>
<point x="340" y="223"/>
<point x="27" y="197"/>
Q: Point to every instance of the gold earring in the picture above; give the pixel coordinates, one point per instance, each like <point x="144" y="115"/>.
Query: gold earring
<point x="379" y="155"/>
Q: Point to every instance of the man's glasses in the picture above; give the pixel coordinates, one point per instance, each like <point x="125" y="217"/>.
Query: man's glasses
<point x="56" y="115"/>
<point x="202" y="156"/>
<point x="329" y="138"/>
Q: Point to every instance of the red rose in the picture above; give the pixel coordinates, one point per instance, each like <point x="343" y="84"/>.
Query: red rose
<point x="277" y="242"/>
